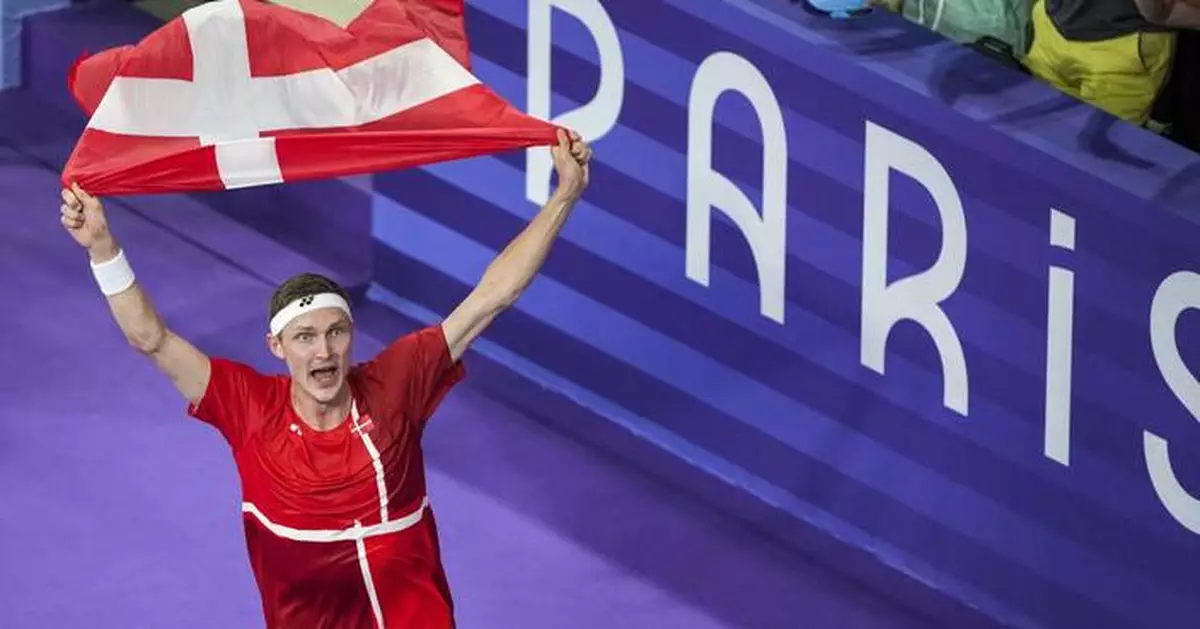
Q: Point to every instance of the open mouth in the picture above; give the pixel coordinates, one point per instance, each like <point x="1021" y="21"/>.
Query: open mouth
<point x="324" y="376"/>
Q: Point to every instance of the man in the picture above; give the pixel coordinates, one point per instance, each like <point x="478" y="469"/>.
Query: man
<point x="968" y="21"/>
<point x="338" y="526"/>
<point x="1114" y="54"/>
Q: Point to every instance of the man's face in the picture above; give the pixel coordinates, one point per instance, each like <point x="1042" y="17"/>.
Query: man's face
<point x="316" y="348"/>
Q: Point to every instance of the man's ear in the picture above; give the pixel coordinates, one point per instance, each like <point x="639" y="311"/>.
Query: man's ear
<point x="275" y="345"/>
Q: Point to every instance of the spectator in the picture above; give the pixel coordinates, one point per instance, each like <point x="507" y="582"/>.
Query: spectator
<point x="1114" y="54"/>
<point x="968" y="21"/>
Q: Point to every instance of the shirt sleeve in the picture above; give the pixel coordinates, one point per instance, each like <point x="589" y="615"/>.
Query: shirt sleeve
<point x="231" y="399"/>
<point x="412" y="376"/>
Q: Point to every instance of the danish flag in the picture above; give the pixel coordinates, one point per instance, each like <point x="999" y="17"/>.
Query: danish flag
<point x="239" y="93"/>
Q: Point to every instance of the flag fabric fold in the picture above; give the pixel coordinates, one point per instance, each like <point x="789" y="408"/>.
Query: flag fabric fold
<point x="240" y="93"/>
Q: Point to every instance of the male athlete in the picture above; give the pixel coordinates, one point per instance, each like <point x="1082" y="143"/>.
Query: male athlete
<point x="338" y="527"/>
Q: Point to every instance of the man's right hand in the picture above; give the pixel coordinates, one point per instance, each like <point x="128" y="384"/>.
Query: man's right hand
<point x="83" y="218"/>
<point x="188" y="367"/>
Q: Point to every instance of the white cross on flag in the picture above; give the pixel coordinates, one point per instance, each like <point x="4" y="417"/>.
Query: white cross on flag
<point x="240" y="93"/>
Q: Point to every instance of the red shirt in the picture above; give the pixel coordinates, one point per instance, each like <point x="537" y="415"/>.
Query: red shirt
<point x="338" y="528"/>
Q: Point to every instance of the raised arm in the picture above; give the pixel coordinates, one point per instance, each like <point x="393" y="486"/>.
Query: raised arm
<point x="187" y="367"/>
<point x="507" y="277"/>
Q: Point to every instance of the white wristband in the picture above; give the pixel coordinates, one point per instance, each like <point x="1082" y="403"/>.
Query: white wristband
<point x="114" y="276"/>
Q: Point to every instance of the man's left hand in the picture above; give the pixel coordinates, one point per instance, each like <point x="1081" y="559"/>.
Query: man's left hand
<point x="571" y="158"/>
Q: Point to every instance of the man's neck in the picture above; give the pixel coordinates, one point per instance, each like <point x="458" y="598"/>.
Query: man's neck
<point x="321" y="415"/>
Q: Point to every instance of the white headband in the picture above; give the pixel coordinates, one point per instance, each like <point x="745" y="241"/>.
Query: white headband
<point x="307" y="304"/>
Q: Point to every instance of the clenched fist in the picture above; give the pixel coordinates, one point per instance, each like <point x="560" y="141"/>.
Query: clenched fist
<point x="571" y="158"/>
<point x="83" y="218"/>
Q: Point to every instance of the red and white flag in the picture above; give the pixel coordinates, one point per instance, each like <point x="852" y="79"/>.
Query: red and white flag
<point x="239" y="93"/>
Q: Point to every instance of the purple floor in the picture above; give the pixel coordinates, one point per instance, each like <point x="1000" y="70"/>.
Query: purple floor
<point x="118" y="511"/>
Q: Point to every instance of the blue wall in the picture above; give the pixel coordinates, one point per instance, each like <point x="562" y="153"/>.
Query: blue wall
<point x="12" y="12"/>
<point x="1015" y="237"/>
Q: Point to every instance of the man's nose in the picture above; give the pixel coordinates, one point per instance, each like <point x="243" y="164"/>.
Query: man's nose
<point x="324" y="348"/>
